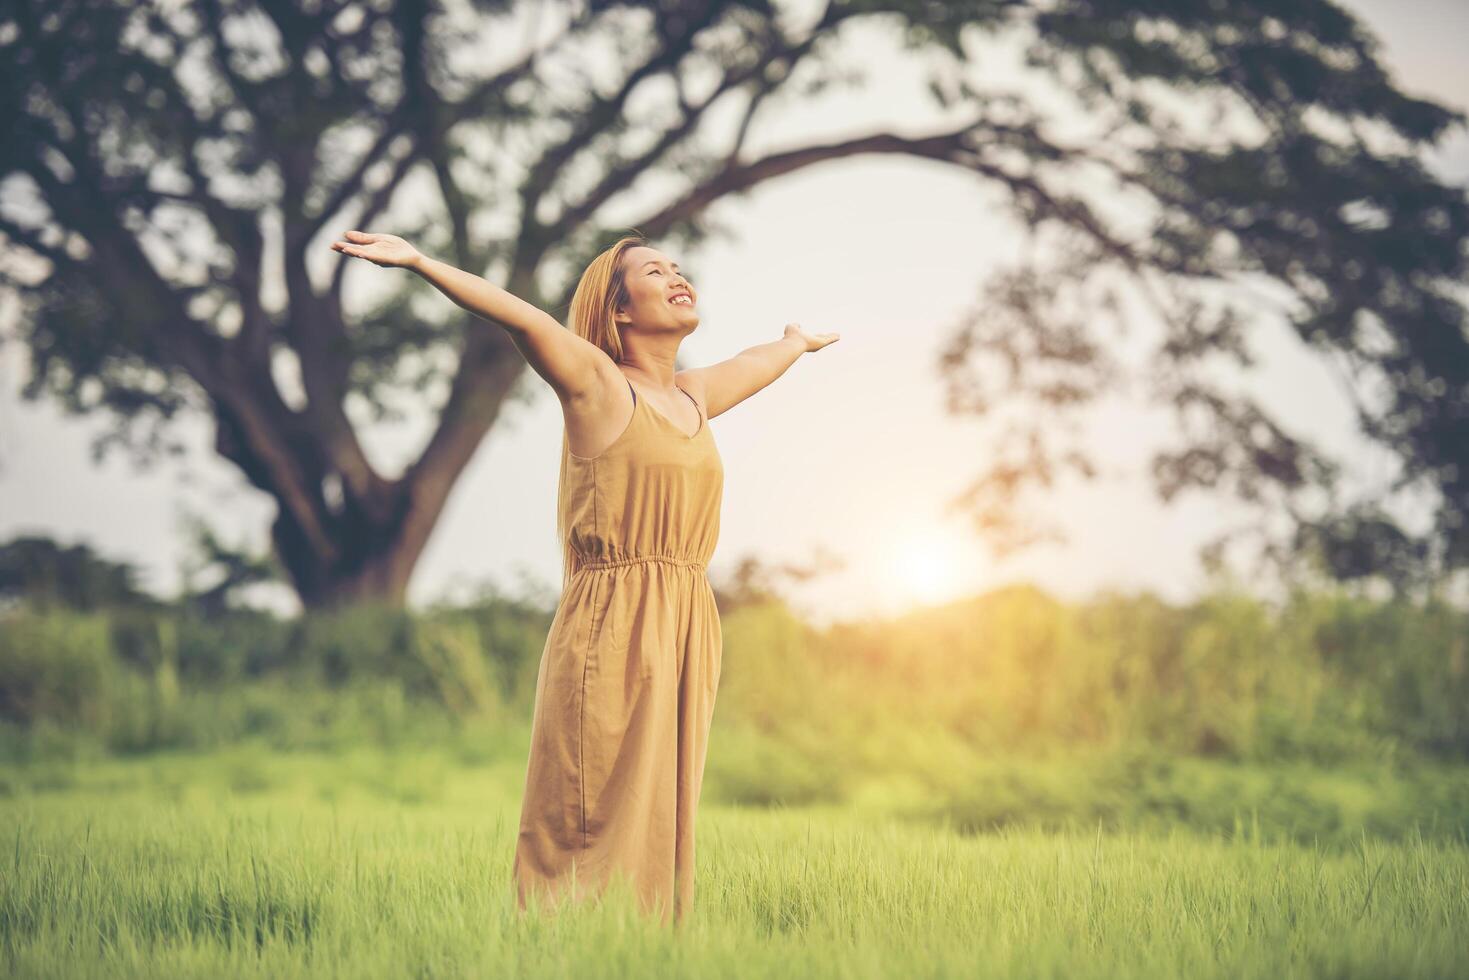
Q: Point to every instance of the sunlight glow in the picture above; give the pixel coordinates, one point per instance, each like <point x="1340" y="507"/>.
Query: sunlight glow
<point x="925" y="567"/>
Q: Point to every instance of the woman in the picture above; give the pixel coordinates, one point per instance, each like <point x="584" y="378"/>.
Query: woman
<point x="627" y="680"/>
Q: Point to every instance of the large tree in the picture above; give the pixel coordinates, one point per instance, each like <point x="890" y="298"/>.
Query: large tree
<point x="177" y="170"/>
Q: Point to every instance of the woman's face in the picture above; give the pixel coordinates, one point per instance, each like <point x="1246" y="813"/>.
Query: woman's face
<point x="658" y="294"/>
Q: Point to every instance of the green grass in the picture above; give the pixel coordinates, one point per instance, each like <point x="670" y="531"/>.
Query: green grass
<point x="372" y="863"/>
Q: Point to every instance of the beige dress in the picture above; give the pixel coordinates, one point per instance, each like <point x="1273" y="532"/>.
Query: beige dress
<point x="627" y="680"/>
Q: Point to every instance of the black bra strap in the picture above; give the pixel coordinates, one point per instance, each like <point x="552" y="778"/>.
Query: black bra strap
<point x="696" y="404"/>
<point x="634" y="392"/>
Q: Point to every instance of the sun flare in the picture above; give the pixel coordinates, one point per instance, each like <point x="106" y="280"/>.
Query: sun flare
<point x="925" y="566"/>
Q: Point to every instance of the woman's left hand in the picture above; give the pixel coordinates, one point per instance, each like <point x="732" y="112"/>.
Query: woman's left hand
<point x="812" y="341"/>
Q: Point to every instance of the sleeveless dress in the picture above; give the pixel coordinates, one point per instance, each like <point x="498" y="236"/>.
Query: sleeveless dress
<point x="628" y="676"/>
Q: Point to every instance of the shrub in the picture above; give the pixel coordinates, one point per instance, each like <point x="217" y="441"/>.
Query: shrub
<point x="57" y="666"/>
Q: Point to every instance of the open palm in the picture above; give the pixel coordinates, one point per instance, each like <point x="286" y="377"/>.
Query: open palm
<point x="814" y="341"/>
<point x="384" y="250"/>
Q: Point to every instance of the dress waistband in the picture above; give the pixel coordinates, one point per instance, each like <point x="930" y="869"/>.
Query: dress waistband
<point x="639" y="559"/>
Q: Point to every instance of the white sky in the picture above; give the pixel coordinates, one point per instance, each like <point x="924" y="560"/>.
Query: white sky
<point x="850" y="452"/>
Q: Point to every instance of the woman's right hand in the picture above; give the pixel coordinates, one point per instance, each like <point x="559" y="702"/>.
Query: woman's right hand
<point x="385" y="250"/>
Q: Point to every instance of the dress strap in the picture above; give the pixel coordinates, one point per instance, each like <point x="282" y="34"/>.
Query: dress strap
<point x="697" y="407"/>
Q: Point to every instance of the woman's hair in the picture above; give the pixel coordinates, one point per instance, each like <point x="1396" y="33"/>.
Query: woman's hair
<point x="600" y="291"/>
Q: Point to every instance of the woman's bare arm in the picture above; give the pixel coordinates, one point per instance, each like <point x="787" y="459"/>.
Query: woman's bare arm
<point x="726" y="384"/>
<point x="569" y="364"/>
<point x="478" y="295"/>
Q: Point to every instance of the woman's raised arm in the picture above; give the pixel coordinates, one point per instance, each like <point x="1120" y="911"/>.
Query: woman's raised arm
<point x="569" y="364"/>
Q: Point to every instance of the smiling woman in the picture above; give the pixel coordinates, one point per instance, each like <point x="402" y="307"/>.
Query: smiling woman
<point x="627" y="683"/>
<point x="627" y="680"/>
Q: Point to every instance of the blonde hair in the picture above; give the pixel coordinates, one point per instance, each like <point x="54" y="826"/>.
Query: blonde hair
<point x="600" y="291"/>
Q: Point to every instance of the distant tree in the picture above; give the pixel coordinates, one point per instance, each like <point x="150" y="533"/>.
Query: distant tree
<point x="1244" y="167"/>
<point x="228" y="570"/>
<point x="179" y="169"/>
<point x="47" y="574"/>
<point x="756" y="580"/>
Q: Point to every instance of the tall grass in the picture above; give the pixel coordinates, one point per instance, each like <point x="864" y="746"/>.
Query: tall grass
<point x="1319" y="720"/>
<point x="305" y="877"/>
<point x="1324" y="678"/>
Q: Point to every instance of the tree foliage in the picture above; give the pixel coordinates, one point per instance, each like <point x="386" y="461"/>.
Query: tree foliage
<point x="177" y="171"/>
<point x="46" y="574"/>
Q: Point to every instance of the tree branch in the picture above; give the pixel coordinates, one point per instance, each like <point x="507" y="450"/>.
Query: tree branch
<point x="30" y="239"/>
<point x="621" y="176"/>
<point x="602" y="113"/>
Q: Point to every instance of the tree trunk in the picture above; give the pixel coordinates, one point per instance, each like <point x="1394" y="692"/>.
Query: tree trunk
<point x="344" y="537"/>
<point x="372" y="559"/>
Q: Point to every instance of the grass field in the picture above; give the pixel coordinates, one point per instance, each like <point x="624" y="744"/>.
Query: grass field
<point x="358" y="864"/>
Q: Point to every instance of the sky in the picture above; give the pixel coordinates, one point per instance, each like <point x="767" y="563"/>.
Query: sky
<point x="849" y="454"/>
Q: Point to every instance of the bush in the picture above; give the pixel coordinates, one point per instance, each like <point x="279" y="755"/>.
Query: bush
<point x="1325" y="678"/>
<point x="58" y="667"/>
<point x="454" y="658"/>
